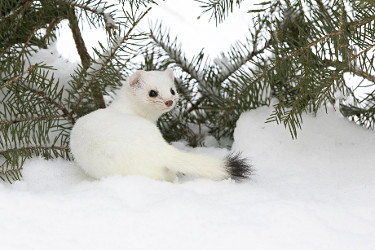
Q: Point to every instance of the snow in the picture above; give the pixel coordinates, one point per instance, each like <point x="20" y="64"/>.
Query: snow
<point x="317" y="192"/>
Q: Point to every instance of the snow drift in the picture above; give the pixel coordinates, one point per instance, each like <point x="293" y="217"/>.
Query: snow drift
<point x="316" y="192"/>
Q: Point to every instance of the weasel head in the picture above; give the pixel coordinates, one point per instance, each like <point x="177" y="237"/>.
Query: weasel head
<point x="152" y="92"/>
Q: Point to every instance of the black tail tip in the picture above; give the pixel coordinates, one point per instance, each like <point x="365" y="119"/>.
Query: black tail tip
<point x="238" y="167"/>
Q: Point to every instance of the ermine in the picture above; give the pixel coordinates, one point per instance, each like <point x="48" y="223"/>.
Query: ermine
<point x="123" y="138"/>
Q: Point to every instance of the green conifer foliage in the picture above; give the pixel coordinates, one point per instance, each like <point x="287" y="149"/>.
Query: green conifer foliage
<point x="208" y="105"/>
<point x="36" y="111"/>
<point x="297" y="53"/>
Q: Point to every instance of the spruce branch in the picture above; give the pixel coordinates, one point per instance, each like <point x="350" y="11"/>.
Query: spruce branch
<point x="77" y="36"/>
<point x="54" y="103"/>
<point x="301" y="88"/>
<point x="103" y="64"/>
<point x="35" y="148"/>
<point x="362" y="52"/>
<point x="14" y="173"/>
<point x="192" y="67"/>
<point x="16" y="78"/>
<point x="84" y="55"/>
<point x="323" y="9"/>
<point x="174" y="54"/>
<point x="244" y="60"/>
<point x="343" y="66"/>
<point x="306" y="48"/>
<point x="241" y="60"/>
<point x="17" y="11"/>
<point x="38" y="27"/>
<point x="84" y="6"/>
<point x="51" y="27"/>
<point x="219" y="8"/>
<point x="365" y="116"/>
<point x="35" y="115"/>
<point x="195" y="105"/>
<point x="5" y="51"/>
<point x="97" y="10"/>
<point x="30" y="119"/>
<point x="124" y="38"/>
<point x="303" y="50"/>
<point x="364" y="74"/>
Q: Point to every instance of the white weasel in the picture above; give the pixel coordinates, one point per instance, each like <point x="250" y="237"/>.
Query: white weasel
<point x="124" y="139"/>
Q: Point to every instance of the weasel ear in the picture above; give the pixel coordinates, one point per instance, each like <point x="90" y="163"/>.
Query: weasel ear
<point x="170" y="73"/>
<point x="135" y="77"/>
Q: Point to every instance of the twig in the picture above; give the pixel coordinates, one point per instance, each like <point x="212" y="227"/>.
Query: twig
<point x="5" y="50"/>
<point x="17" y="77"/>
<point x="26" y="148"/>
<point x="66" y="113"/>
<point x="364" y="74"/>
<point x="51" y="27"/>
<point x="362" y="52"/>
<point x="346" y="68"/>
<point x="195" y="105"/>
<point x="29" y="39"/>
<point x="38" y="118"/>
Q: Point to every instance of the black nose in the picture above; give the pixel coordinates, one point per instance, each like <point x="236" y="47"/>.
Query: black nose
<point x="169" y="103"/>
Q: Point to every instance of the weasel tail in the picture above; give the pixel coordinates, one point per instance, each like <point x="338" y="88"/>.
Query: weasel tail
<point x="233" y="166"/>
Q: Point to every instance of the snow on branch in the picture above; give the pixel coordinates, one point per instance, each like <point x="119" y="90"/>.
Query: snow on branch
<point x="95" y="8"/>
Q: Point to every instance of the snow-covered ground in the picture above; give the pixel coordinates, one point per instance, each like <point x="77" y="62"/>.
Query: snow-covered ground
<point x="317" y="192"/>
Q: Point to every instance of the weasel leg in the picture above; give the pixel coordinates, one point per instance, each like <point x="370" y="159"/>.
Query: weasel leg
<point x="169" y="175"/>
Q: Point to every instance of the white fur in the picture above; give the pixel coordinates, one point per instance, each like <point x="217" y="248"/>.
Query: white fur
<point x="124" y="139"/>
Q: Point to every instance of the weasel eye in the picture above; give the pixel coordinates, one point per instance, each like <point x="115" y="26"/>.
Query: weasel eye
<point x="153" y="93"/>
<point x="172" y="92"/>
